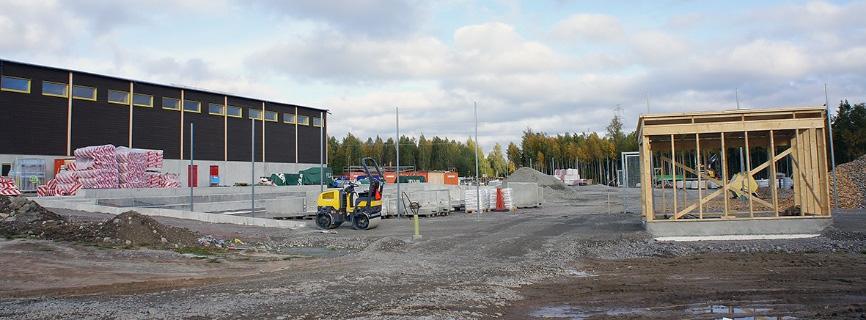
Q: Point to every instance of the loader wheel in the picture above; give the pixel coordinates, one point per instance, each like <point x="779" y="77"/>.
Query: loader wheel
<point x="325" y="221"/>
<point x="361" y="222"/>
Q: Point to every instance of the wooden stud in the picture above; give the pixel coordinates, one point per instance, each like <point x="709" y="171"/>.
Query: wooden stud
<point x="647" y="179"/>
<point x="774" y="189"/>
<point x="674" y="175"/>
<point x="795" y="169"/>
<point x="724" y="171"/>
<point x="748" y="174"/>
<point x="822" y="149"/>
<point x="813" y="170"/>
<point x="700" y="173"/>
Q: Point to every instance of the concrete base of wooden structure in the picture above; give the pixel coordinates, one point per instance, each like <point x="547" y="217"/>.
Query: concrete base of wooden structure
<point x="695" y="228"/>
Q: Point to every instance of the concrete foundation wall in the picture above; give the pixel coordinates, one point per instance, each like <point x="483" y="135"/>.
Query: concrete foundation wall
<point x="737" y="227"/>
<point x="231" y="172"/>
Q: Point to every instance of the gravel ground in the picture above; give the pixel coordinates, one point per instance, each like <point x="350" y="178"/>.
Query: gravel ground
<point x="465" y="267"/>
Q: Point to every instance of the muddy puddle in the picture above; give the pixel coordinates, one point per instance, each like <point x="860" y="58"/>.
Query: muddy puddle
<point x="696" y="311"/>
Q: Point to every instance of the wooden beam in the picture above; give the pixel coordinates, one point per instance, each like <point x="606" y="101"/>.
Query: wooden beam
<point x="738" y="126"/>
<point x="724" y="170"/>
<point x="698" y="165"/>
<point x="822" y="149"/>
<point x="774" y="180"/>
<point x="646" y="177"/>
<point x="767" y="163"/>
<point x="674" y="174"/>
<point x="749" y="177"/>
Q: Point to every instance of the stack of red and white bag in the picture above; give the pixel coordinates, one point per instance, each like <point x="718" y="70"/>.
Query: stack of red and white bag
<point x="96" y="167"/>
<point x="155" y="178"/>
<point x="131" y="164"/>
<point x="8" y="187"/>
<point x="107" y="167"/>
<point x="65" y="183"/>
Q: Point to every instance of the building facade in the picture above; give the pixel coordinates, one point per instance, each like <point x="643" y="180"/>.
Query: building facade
<point x="49" y="112"/>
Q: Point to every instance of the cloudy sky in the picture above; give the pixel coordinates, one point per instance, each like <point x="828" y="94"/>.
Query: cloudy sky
<point x="553" y="66"/>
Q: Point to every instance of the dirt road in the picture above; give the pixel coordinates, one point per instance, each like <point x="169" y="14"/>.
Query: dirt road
<point x="568" y="260"/>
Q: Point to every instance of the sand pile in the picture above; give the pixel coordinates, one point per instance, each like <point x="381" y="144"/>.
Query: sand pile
<point x="852" y="184"/>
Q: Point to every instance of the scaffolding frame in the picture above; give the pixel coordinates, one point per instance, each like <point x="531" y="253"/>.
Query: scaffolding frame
<point x="683" y="145"/>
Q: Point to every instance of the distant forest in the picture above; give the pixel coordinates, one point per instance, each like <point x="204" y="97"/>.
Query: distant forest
<point x="536" y="149"/>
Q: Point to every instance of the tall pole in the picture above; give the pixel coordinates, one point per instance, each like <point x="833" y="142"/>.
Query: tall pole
<point x="253" y="167"/>
<point x="477" y="179"/>
<point x="321" y="152"/>
<point x="737" y="94"/>
<point x="397" y="174"/>
<point x="832" y="151"/>
<point x="190" y="171"/>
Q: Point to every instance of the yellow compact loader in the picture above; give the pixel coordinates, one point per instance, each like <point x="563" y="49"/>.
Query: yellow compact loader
<point x="362" y="209"/>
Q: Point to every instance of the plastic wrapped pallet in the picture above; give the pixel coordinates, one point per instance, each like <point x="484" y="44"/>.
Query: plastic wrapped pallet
<point x="472" y="200"/>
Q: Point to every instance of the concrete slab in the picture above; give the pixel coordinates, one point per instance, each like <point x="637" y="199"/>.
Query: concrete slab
<point x="703" y="228"/>
<point x="526" y="194"/>
<point x="285" y="207"/>
<point x="180" y="214"/>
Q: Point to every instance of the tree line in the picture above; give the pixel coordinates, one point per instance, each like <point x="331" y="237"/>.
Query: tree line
<point x="594" y="154"/>
<point x="849" y="131"/>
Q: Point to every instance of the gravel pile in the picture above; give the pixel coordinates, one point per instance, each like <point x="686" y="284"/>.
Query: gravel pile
<point x="852" y="183"/>
<point x="525" y="174"/>
<point x="554" y="190"/>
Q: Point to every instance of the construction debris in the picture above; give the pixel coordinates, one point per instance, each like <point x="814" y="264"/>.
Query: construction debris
<point x="852" y="184"/>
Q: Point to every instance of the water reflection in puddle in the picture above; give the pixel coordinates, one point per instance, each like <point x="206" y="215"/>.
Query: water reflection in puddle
<point x="747" y="312"/>
<point x="568" y="312"/>
<point x="701" y="311"/>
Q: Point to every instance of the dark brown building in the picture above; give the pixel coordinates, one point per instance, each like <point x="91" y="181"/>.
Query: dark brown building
<point x="50" y="111"/>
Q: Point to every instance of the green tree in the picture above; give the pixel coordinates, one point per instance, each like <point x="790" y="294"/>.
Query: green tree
<point x="515" y="156"/>
<point x="425" y="152"/>
<point x="497" y="161"/>
<point x="849" y="131"/>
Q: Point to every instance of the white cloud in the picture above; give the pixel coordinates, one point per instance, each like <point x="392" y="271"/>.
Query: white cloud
<point x="365" y="17"/>
<point x="590" y="27"/>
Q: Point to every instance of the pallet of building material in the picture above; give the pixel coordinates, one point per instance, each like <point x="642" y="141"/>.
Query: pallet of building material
<point x="472" y="198"/>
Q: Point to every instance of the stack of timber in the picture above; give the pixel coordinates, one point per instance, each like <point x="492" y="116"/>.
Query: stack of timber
<point x="852" y="184"/>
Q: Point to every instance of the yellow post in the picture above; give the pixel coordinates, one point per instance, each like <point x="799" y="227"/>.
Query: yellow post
<point x="417" y="222"/>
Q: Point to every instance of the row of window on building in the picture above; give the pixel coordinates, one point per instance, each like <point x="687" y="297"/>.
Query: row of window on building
<point x="56" y="89"/>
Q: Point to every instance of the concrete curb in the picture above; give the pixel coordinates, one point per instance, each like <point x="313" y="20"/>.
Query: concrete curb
<point x="179" y="214"/>
<point x="738" y="227"/>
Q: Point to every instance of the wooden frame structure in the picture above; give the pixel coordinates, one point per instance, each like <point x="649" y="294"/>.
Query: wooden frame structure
<point x="696" y="155"/>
